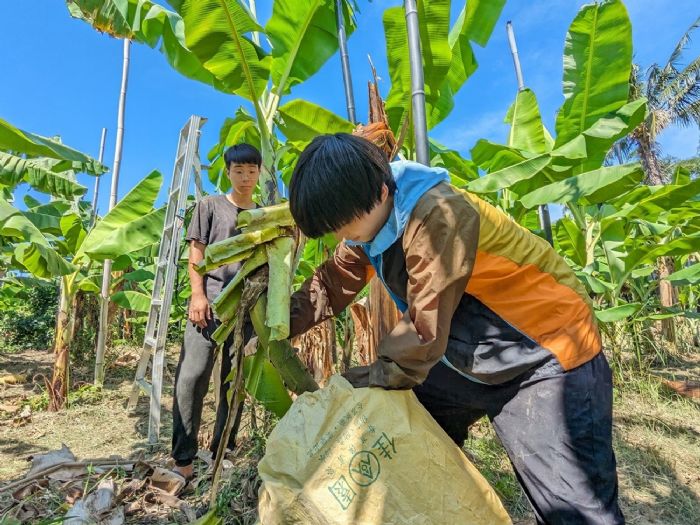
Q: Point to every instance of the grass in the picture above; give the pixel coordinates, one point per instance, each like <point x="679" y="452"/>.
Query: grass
<point x="657" y="444"/>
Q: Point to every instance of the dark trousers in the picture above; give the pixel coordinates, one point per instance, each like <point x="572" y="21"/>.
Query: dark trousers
<point x="191" y="385"/>
<point x="556" y="427"/>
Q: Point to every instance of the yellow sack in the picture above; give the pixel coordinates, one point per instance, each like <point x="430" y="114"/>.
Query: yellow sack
<point x="368" y="456"/>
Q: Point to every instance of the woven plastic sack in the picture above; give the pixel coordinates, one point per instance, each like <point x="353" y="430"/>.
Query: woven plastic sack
<point x="369" y="456"/>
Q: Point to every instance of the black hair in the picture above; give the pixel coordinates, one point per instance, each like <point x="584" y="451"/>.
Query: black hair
<point x="337" y="178"/>
<point x="242" y="154"/>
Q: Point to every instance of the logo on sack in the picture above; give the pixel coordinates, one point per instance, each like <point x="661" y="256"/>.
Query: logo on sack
<point x="342" y="492"/>
<point x="364" y="468"/>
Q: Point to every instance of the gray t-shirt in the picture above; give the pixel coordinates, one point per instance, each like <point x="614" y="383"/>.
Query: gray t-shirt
<point x="214" y="219"/>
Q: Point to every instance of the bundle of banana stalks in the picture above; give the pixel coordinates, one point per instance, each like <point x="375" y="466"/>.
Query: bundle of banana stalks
<point x="266" y="243"/>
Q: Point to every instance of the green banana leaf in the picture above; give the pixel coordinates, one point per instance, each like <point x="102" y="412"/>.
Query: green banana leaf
<point x="480" y="17"/>
<point x="597" y="64"/>
<point x="303" y="37"/>
<point x="434" y="27"/>
<point x="302" y="121"/>
<point x="18" y="141"/>
<point x="522" y="177"/>
<point x="461" y="170"/>
<point x="493" y="157"/>
<point x="132" y="300"/>
<point x="45" y="223"/>
<point x="148" y="23"/>
<point x="617" y="313"/>
<point x="689" y="275"/>
<point x="591" y="187"/>
<point x="526" y="129"/>
<point x="587" y="150"/>
<point x="679" y="246"/>
<point x="14" y="169"/>
<point x="137" y="204"/>
<point x="570" y="241"/>
<point x="660" y="200"/>
<point x="215" y="32"/>
<point x="448" y="58"/>
<point x="264" y="383"/>
<point x="129" y="237"/>
<point x="42" y="260"/>
<point x="73" y="231"/>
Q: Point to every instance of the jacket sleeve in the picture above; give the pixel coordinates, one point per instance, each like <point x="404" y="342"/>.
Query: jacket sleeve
<point x="332" y="287"/>
<point x="440" y="242"/>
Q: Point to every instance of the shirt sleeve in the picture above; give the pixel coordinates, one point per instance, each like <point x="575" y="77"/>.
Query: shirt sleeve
<point x="440" y="243"/>
<point x="200" y="224"/>
<point x="331" y="288"/>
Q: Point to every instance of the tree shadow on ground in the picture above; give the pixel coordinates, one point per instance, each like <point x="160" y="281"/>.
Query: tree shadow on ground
<point x="653" y="492"/>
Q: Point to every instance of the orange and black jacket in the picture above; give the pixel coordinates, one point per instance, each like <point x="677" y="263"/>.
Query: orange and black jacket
<point x="478" y="292"/>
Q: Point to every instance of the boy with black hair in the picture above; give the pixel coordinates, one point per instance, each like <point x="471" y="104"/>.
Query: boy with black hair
<point x="214" y="219"/>
<point x="494" y="321"/>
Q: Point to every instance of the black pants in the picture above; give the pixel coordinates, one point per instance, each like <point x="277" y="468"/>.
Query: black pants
<point x="191" y="385"/>
<point x="556" y="427"/>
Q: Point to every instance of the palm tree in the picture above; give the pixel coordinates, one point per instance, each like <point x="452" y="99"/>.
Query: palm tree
<point x="673" y="94"/>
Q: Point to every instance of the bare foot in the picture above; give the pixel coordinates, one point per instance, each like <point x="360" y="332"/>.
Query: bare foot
<point x="186" y="472"/>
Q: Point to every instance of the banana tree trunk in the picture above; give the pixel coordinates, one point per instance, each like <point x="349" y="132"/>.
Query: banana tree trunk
<point x="383" y="314"/>
<point x="65" y="321"/>
<point x="668" y="296"/>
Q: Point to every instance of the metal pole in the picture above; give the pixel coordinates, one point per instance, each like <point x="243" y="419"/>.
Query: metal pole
<point x="542" y="210"/>
<point x="345" y="61"/>
<point x="93" y="215"/>
<point x="107" y="268"/>
<point x="420" y="126"/>
<point x="516" y="57"/>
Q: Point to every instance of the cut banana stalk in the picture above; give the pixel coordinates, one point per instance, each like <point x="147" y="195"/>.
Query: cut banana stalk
<point x="279" y="288"/>
<point x="226" y="251"/>
<point x="204" y="267"/>
<point x="268" y="217"/>
<point x="258" y="258"/>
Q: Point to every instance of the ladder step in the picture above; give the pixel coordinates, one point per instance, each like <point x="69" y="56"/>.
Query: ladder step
<point x="176" y="191"/>
<point x="145" y="386"/>
<point x="150" y="341"/>
<point x="156" y="302"/>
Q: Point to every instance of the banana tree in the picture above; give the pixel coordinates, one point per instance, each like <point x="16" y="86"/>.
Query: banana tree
<point x="611" y="222"/>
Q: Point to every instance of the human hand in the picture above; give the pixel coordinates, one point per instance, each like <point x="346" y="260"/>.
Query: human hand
<point x="199" y="312"/>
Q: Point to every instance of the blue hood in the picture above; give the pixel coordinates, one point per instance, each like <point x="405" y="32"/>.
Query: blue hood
<point x="413" y="180"/>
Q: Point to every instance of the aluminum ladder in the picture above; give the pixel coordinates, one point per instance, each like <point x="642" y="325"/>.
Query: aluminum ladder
<point x="187" y="163"/>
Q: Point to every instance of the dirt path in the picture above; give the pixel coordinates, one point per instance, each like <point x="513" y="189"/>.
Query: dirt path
<point x="657" y="436"/>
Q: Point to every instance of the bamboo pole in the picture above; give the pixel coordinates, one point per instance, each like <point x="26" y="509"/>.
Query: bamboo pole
<point x="543" y="209"/>
<point x="93" y="213"/>
<point x="420" y="126"/>
<point x="107" y="269"/>
<point x="345" y="61"/>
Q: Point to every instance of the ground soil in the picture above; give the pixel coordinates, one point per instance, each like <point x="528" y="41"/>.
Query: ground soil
<point x="657" y="435"/>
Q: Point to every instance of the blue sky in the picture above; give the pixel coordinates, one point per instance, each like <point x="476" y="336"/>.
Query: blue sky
<point x="61" y="77"/>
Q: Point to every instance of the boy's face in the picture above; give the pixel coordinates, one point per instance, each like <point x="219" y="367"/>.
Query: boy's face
<point x="244" y="177"/>
<point x="366" y="227"/>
